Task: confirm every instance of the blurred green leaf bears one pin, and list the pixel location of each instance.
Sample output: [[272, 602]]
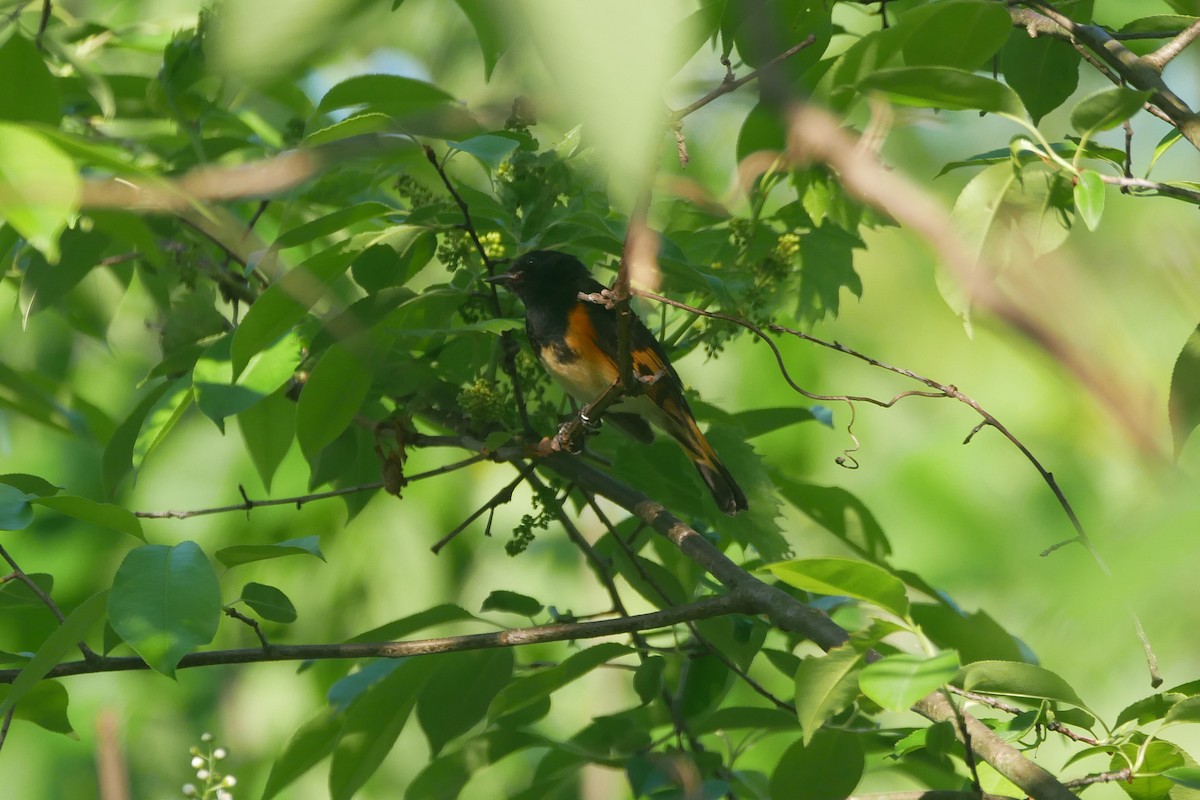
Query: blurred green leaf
[[1185, 711], [512, 602], [268, 602], [30, 484], [45, 705], [943, 87], [373, 723], [825, 685], [1089, 198], [1164, 144], [334, 222], [489, 148], [1106, 109], [400, 628], [842, 576], [117, 459], [1043, 72], [311, 744], [459, 691], [732, 718], [104, 515], [648, 679], [17, 594], [219, 395], [896, 682], [976, 636], [33, 98], [489, 25], [331, 397], [1184, 776], [15, 510], [285, 303], [842, 514], [1016, 679], [531, 688], [827, 767], [268, 428], [248, 553], [39, 187], [392, 94], [165, 602], [55, 648], [958, 33], [47, 281], [1184, 402]]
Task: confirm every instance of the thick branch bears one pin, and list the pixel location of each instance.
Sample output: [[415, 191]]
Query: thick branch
[[1139, 72], [701, 609]]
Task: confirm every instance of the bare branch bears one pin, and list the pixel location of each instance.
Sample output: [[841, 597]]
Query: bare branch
[[47, 600], [701, 609], [1160, 57], [730, 83]]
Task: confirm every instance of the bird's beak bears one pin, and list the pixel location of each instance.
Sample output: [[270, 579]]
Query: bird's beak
[[503, 279]]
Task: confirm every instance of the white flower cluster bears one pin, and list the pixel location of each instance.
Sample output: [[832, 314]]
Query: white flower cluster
[[213, 784]]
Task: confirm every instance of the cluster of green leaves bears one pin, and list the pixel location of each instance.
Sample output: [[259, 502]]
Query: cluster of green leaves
[[359, 300]]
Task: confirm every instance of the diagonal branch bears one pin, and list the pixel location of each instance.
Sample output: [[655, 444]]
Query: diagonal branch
[[1159, 58]]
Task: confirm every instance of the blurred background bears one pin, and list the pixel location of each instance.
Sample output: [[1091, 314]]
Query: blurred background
[[973, 520]]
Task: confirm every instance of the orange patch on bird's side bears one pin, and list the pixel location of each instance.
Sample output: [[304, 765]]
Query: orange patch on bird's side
[[589, 373]]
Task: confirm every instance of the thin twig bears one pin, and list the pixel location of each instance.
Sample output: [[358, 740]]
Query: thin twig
[[498, 499], [1101, 777], [248, 504], [1160, 57], [701, 609], [1009, 708], [730, 83], [508, 344], [1153, 188], [47, 600], [253, 623]]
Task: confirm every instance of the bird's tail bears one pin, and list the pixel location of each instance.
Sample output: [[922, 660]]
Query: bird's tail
[[728, 495]]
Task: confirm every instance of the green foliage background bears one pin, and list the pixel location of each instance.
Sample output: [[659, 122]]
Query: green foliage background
[[972, 521]]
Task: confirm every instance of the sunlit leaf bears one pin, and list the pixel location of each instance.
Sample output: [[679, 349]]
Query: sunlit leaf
[[104, 515], [1106, 109], [842, 576], [825, 685], [896, 682], [943, 87], [39, 187], [1089, 198]]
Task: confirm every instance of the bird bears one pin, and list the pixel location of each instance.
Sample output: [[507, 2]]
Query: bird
[[576, 341]]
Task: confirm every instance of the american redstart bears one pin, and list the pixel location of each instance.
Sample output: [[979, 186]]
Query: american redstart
[[577, 341]]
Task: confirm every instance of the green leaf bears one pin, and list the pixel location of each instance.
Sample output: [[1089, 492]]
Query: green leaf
[[1156, 759], [1106, 109], [55, 648], [459, 691], [842, 576], [490, 148], [117, 460], [369, 122], [247, 553], [330, 224], [373, 723], [1043, 72], [512, 602], [103, 515], [1164, 144], [17, 594], [165, 602], [761, 421], [959, 33], [1184, 403], [827, 767], [489, 24], [531, 688], [648, 679], [268, 602], [1184, 776], [944, 87], [842, 514], [332, 396], [391, 94], [398, 629], [1015, 679], [30, 484], [268, 428], [15, 510], [731, 718], [217, 393], [825, 685], [311, 744], [1089, 198], [761, 130], [897, 682], [33, 98], [39, 187], [976, 637], [285, 303], [45, 705], [1185, 711]]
